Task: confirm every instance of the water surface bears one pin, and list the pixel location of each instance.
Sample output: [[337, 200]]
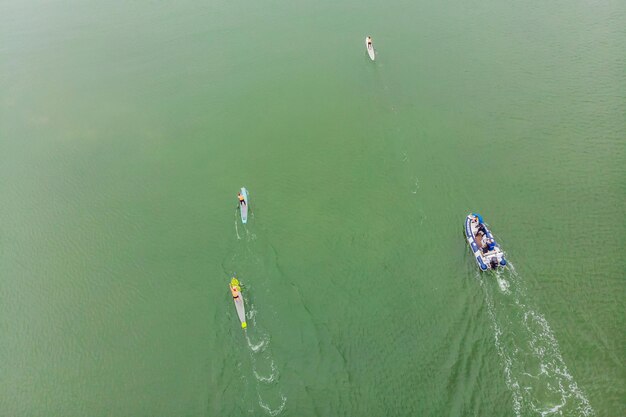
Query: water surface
[[126, 130]]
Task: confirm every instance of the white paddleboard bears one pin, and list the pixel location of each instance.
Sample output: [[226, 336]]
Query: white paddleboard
[[241, 311], [370, 50]]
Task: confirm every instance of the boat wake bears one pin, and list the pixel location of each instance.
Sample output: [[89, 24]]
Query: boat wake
[[503, 283], [534, 369]]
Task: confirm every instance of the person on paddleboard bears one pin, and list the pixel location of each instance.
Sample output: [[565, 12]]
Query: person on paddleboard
[[241, 198], [234, 291], [369, 42]]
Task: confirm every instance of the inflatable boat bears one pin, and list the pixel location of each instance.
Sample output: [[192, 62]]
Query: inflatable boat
[[482, 243]]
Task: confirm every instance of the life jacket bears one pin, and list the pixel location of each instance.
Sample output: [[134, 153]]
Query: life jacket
[[241, 198]]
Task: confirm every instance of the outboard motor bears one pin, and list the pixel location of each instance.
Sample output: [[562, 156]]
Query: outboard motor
[[493, 262]]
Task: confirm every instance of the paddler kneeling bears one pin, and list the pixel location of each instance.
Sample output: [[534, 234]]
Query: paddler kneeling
[[369, 42]]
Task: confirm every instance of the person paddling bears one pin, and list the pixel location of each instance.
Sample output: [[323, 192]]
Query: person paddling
[[369, 42], [234, 291], [241, 198]]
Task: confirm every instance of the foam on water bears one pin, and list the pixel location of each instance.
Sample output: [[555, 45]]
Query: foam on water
[[267, 379], [276, 411], [261, 357], [264, 368], [259, 346], [534, 369], [503, 284]]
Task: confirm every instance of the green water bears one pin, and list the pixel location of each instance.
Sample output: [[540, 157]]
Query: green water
[[126, 129]]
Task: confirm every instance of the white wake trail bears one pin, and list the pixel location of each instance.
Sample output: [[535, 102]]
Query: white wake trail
[[534, 369]]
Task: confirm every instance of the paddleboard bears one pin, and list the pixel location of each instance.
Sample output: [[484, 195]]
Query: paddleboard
[[239, 306], [244, 207], [370, 50]]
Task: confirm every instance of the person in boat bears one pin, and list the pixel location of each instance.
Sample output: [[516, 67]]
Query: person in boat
[[241, 198], [481, 229], [369, 42], [488, 245], [483, 244], [234, 291], [477, 218]]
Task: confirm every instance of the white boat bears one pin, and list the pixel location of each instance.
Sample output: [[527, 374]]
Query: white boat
[[478, 236]]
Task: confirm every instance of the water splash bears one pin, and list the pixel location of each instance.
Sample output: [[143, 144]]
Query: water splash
[[534, 369]]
